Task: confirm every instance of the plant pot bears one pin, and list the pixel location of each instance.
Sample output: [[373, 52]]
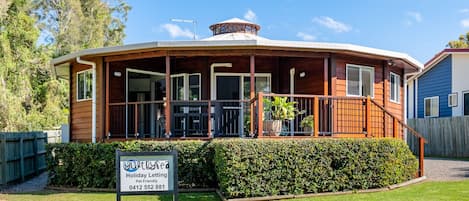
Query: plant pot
[[308, 130], [273, 127]]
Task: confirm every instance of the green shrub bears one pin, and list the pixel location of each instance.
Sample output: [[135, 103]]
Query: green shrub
[[93, 165], [248, 168]]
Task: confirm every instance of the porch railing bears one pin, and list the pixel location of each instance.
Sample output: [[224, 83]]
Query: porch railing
[[337, 117], [198, 118], [136, 120]]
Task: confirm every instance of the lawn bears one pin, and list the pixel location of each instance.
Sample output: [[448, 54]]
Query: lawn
[[458, 190]]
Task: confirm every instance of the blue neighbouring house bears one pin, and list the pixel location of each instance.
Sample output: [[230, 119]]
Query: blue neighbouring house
[[442, 88]]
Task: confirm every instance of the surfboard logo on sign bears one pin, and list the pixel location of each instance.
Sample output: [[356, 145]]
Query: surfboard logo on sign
[[134, 165]]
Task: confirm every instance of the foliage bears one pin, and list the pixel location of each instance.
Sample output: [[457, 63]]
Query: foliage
[[462, 42], [93, 165], [307, 122], [29, 98], [248, 168], [71, 25], [280, 108], [34, 31]]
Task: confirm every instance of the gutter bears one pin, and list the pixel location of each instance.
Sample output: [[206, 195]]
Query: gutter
[[414, 74], [93, 96]]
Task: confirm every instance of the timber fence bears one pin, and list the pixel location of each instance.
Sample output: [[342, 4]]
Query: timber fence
[[22, 155], [447, 136]]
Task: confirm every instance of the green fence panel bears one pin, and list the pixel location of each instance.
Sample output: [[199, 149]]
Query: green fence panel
[[22, 155]]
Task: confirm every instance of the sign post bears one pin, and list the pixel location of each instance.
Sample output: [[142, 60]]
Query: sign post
[[146, 173]]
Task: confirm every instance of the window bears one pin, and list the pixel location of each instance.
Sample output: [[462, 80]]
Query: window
[[262, 85], [194, 87], [360, 80], [431, 106], [452, 100], [84, 81], [395, 81], [177, 85], [466, 102], [185, 86]]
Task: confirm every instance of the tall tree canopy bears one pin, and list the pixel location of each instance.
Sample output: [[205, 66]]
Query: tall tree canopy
[[72, 25], [462, 42], [34, 31]]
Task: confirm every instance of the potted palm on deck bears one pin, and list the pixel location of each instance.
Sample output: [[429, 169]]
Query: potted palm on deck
[[280, 109]]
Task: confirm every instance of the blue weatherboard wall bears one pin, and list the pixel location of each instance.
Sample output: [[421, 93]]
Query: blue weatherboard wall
[[436, 82]]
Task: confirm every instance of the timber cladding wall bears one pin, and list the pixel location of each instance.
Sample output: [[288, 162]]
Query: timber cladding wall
[[80, 116], [381, 82], [448, 136]]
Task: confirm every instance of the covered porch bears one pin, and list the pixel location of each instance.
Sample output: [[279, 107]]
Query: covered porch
[[205, 94]]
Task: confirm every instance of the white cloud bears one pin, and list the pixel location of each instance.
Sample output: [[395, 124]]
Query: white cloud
[[465, 23], [464, 10], [175, 31], [250, 15], [417, 17], [330, 23], [305, 36]]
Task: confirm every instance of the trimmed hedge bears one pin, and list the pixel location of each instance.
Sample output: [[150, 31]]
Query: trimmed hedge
[[249, 168], [93, 165]]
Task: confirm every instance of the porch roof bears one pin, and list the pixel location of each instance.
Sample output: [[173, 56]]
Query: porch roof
[[264, 43]]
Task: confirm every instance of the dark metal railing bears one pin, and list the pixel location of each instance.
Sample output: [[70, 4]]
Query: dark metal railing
[[136, 120]]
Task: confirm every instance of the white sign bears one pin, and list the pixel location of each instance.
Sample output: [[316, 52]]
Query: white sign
[[144, 173]]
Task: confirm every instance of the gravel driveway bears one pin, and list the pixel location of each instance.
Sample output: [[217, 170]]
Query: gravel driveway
[[438, 169], [35, 184]]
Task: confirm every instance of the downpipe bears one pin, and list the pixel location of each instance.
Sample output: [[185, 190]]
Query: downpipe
[[93, 96]]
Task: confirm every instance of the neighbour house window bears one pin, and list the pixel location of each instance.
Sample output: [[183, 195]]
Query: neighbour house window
[[84, 82], [185, 86], [466, 102], [431, 106], [453, 100], [395, 82], [360, 80]]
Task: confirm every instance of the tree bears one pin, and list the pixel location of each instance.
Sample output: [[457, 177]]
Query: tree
[[462, 42], [34, 31], [72, 25]]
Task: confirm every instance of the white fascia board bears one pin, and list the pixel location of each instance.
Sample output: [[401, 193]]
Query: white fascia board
[[258, 43]]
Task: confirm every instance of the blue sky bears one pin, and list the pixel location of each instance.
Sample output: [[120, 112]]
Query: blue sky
[[420, 28]]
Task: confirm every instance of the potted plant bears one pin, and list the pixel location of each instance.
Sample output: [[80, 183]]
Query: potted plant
[[307, 124], [280, 109]]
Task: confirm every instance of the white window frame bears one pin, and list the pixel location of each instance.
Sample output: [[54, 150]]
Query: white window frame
[[186, 84], [360, 67], [453, 100], [462, 97], [84, 85], [397, 87], [425, 108]]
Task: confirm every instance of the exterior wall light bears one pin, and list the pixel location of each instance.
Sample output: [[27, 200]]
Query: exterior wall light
[[117, 74]]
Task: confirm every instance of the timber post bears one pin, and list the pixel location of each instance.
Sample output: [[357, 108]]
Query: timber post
[[421, 156], [167, 109], [209, 119], [260, 115], [368, 117], [395, 126]]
